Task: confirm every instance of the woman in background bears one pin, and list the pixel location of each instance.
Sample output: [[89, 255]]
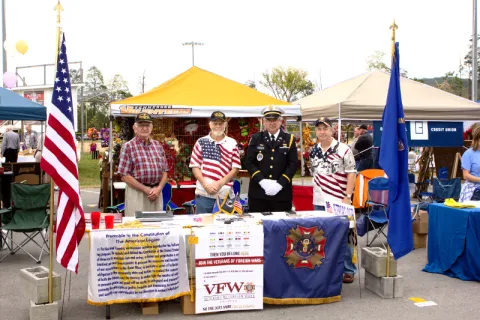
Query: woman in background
[[471, 167]]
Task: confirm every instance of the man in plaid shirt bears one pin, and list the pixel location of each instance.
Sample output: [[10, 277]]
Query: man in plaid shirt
[[143, 167]]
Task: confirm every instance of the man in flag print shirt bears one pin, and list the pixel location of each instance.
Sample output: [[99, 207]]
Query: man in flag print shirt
[[215, 162], [333, 171]]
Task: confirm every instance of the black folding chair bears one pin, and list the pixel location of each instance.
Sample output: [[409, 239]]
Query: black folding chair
[[28, 215]]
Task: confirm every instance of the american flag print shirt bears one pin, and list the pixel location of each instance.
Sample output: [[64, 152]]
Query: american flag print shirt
[[329, 171], [145, 162], [215, 160]]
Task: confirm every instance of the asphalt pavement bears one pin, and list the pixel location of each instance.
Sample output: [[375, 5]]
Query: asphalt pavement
[[455, 299]]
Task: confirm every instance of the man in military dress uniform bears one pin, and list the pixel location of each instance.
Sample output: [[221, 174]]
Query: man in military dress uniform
[[271, 162]]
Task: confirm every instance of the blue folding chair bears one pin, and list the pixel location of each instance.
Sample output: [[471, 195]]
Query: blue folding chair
[[377, 201], [167, 199]]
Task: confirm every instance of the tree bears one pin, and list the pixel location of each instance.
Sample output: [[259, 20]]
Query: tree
[[287, 84], [76, 76], [117, 88], [376, 61], [468, 62], [251, 84], [451, 83], [96, 99]]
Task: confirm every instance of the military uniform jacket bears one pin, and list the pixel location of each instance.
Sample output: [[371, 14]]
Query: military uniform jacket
[[276, 160]]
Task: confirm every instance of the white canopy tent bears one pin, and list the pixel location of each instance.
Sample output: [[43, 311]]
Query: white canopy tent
[[364, 98]]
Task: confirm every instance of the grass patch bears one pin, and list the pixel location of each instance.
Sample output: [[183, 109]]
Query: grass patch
[[88, 171]]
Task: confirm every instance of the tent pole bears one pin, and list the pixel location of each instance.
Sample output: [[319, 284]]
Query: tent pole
[[110, 157], [339, 122], [302, 172]]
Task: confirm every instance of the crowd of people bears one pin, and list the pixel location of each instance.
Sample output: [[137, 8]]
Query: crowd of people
[[271, 161]]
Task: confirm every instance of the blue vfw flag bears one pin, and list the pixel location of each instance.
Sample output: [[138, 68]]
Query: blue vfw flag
[[394, 161], [304, 260]]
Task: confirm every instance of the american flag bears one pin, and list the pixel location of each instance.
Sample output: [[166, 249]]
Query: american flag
[[215, 159], [238, 205], [59, 161], [331, 183]]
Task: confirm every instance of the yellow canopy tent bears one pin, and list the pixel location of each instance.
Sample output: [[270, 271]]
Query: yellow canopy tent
[[197, 93]]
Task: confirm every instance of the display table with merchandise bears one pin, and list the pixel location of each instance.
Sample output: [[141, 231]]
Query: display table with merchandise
[[309, 246]]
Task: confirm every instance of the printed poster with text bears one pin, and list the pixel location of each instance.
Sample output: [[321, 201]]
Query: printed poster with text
[[229, 268], [135, 265]]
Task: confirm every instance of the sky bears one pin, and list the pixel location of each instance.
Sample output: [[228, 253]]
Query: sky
[[331, 40]]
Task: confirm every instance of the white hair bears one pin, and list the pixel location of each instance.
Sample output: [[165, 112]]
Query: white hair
[[8, 128]]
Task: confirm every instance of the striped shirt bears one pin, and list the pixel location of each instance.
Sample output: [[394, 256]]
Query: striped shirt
[[145, 162], [329, 171], [215, 160]]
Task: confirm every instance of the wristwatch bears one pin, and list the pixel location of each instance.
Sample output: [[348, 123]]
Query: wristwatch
[[349, 196]]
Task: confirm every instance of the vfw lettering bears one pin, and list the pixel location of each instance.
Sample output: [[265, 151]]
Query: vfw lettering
[[219, 288]]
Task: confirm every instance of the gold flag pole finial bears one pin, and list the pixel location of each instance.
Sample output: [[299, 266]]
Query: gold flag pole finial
[[59, 10], [393, 27]]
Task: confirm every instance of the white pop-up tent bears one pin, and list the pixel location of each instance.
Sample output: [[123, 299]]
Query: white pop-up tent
[[364, 98]]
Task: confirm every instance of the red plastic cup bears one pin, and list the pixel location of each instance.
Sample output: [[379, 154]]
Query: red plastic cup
[[109, 221], [95, 218]]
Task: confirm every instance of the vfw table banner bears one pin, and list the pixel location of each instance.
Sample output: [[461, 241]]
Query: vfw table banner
[[304, 260], [136, 265], [229, 268]]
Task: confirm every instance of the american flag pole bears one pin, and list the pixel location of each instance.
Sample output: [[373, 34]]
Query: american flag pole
[[58, 8]]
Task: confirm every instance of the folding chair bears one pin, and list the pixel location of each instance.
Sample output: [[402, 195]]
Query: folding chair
[[377, 214], [167, 199], [29, 215]]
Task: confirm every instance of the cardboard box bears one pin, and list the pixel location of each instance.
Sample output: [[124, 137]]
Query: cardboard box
[[419, 240], [149, 308], [423, 216], [188, 307], [420, 227]]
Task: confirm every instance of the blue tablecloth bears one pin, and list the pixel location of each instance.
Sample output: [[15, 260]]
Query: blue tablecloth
[[454, 242]]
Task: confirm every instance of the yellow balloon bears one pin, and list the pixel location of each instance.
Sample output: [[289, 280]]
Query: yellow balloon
[[22, 46]]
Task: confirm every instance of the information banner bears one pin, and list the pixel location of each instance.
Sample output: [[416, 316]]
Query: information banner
[[229, 268], [136, 265], [427, 134]]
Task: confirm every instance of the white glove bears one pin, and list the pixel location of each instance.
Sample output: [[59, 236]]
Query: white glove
[[266, 183], [273, 189]]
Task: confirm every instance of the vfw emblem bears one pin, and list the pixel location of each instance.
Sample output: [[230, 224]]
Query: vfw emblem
[[305, 247]]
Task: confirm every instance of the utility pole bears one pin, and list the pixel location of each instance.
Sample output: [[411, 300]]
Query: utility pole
[[474, 53], [4, 35], [193, 44]]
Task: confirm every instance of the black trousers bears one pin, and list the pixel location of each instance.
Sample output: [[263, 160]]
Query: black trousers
[[263, 205], [11, 155]]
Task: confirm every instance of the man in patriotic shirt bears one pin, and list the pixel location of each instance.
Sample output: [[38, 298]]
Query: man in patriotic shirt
[[333, 171], [215, 162]]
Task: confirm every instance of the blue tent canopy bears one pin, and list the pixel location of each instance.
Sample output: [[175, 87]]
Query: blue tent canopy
[[16, 107]]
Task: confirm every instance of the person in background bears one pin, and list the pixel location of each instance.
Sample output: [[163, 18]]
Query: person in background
[[333, 172], [215, 162], [356, 134], [471, 167], [143, 168], [271, 162], [10, 145], [364, 146], [30, 137]]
